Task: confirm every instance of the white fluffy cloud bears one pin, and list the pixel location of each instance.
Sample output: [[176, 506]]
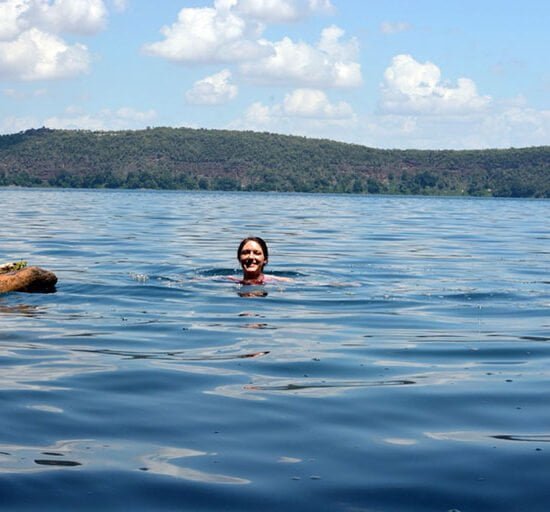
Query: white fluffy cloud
[[11, 24], [13, 124], [301, 109], [231, 31], [277, 11], [313, 103], [419, 110], [515, 126], [74, 118], [203, 35], [331, 63], [212, 90], [75, 16], [31, 47], [501, 125], [37, 55], [413, 88], [121, 119]]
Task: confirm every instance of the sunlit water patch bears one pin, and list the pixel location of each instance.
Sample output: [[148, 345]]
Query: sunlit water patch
[[404, 367]]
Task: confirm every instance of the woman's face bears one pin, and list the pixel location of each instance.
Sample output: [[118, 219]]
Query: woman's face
[[252, 258]]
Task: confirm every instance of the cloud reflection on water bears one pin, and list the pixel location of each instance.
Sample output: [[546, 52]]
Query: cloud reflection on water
[[79, 454], [480, 437]]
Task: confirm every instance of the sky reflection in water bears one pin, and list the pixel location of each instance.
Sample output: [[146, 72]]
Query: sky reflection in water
[[404, 368]]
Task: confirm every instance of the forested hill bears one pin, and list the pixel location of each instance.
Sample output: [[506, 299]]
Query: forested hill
[[183, 158]]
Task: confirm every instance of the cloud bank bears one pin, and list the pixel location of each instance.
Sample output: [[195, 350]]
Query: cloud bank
[[307, 112], [413, 88], [208, 35], [107, 119], [232, 31], [330, 63], [280, 11], [31, 46], [212, 90]]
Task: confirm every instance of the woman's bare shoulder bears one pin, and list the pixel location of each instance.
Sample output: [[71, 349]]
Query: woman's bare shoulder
[[268, 278]]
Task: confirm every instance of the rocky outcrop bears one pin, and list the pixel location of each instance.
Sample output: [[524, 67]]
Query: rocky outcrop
[[29, 279]]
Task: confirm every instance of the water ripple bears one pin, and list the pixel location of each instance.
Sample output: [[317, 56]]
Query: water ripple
[[403, 368]]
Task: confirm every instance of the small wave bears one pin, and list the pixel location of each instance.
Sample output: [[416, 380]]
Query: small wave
[[304, 385], [22, 310], [175, 356], [534, 338], [481, 296], [472, 436], [212, 272]]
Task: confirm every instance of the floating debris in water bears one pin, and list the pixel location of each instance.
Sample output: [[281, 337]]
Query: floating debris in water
[[289, 460], [140, 278]]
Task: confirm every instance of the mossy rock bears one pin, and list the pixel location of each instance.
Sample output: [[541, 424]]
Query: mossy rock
[[28, 279], [12, 266]]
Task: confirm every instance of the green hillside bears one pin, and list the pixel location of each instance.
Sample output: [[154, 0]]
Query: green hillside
[[182, 158]]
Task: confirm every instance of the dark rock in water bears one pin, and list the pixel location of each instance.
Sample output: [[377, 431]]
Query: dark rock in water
[[29, 279]]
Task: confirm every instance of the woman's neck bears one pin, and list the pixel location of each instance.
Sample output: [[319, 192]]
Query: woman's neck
[[253, 279]]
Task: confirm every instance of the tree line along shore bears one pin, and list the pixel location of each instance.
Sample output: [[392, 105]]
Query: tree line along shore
[[200, 159]]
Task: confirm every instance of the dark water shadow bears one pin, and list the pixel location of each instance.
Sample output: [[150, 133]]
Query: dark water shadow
[[174, 356], [54, 462], [305, 385], [543, 438], [22, 310]]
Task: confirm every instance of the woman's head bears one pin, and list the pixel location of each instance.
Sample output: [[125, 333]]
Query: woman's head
[[260, 241], [253, 255]]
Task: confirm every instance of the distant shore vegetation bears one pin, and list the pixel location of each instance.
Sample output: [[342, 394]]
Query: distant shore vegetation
[[200, 159]]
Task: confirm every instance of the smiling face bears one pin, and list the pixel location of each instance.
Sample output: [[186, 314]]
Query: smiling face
[[252, 260]]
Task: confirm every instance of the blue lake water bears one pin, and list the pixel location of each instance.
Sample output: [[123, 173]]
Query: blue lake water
[[405, 368]]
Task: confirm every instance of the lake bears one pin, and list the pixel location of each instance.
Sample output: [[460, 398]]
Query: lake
[[406, 367]]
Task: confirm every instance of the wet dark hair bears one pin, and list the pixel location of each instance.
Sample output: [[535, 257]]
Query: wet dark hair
[[260, 241]]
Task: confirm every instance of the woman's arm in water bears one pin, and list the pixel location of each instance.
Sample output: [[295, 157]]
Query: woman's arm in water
[[268, 278]]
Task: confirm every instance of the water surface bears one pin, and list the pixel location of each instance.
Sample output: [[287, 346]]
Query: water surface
[[405, 368]]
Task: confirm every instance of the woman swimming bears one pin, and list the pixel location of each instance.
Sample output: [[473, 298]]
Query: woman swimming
[[253, 256]]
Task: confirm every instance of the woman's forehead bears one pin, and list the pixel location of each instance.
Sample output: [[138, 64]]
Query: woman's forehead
[[252, 245]]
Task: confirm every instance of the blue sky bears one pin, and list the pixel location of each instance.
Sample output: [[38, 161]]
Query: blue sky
[[396, 74]]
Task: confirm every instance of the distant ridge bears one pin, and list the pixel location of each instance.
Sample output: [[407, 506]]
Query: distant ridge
[[184, 158]]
